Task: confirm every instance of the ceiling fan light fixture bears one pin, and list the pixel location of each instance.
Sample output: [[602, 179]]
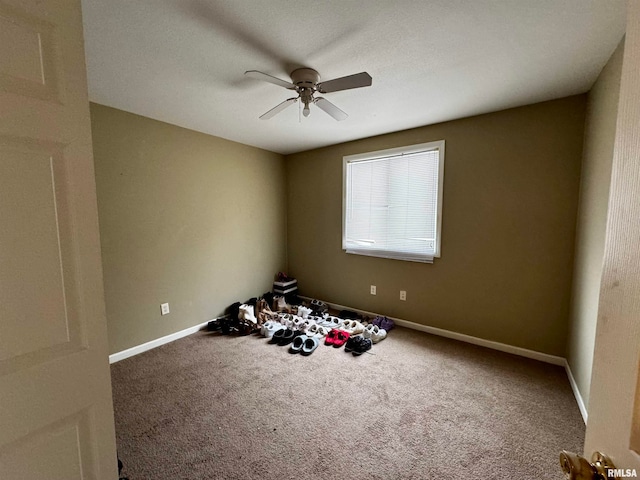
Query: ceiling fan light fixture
[[305, 82]]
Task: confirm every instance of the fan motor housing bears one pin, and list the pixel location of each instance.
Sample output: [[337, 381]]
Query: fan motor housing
[[305, 78]]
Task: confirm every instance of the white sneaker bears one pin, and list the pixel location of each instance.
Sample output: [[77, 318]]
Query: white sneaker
[[358, 328], [336, 322], [330, 322], [297, 322], [286, 319], [322, 331], [367, 330], [272, 328], [353, 327], [378, 336], [304, 312], [263, 326], [312, 330], [375, 333]]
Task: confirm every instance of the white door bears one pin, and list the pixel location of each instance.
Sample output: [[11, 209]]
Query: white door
[[56, 416], [614, 406]]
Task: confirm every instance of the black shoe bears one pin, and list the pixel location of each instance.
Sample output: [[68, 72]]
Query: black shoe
[[214, 325], [364, 345], [348, 315], [268, 297], [253, 302], [245, 328], [277, 337], [287, 337], [353, 342], [318, 307], [225, 326], [233, 310], [293, 299]]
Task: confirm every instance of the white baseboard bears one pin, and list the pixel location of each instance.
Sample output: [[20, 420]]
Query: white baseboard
[[503, 347], [130, 352], [576, 393]]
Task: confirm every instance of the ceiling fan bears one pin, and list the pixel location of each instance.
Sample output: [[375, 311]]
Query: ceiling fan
[[305, 82]]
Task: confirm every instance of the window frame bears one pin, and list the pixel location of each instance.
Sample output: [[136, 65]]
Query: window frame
[[397, 152]]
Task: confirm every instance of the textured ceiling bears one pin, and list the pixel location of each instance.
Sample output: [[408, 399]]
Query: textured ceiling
[[182, 61]]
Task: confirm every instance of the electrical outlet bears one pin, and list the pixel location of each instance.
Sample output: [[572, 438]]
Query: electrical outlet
[[373, 289], [403, 294], [164, 308]]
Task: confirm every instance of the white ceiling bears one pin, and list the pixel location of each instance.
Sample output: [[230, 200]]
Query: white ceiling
[[182, 61]]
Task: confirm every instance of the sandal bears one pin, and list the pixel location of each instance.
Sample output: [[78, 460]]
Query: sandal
[[287, 337], [309, 345], [298, 342], [331, 337], [341, 338], [277, 336]]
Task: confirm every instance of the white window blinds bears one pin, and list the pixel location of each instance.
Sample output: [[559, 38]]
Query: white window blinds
[[392, 202]]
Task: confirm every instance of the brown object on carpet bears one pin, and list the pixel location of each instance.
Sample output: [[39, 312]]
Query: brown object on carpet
[[419, 407]]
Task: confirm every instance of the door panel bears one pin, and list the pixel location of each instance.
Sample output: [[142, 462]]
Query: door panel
[[27, 54], [35, 282], [56, 416], [614, 397], [55, 452]]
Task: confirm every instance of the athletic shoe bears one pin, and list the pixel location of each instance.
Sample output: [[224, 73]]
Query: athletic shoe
[[352, 342], [363, 346], [375, 333], [387, 324]]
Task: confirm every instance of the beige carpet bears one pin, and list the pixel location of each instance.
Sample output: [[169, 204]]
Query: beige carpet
[[420, 406]]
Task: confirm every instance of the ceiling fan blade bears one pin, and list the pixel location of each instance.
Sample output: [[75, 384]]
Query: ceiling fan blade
[[357, 80], [278, 108], [269, 78], [330, 108]]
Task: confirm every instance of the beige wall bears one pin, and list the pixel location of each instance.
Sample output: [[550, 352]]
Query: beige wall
[[185, 218], [602, 108], [509, 210]]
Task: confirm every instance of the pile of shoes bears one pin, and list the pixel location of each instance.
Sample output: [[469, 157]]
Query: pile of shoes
[[356, 343], [287, 320], [244, 318], [305, 327]]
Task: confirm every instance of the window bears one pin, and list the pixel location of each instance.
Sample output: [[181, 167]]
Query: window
[[392, 202]]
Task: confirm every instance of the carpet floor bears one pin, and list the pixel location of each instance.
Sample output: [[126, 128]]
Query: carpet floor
[[418, 407]]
